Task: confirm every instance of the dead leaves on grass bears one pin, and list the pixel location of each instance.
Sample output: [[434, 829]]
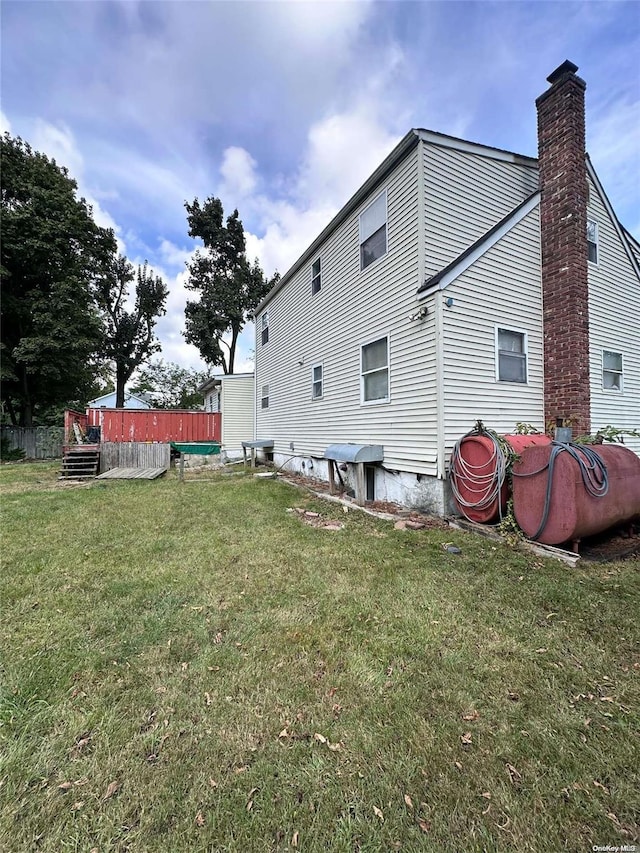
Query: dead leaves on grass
[[112, 790]]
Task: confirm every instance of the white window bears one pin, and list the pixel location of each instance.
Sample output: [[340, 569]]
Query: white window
[[316, 381], [511, 355], [375, 371], [611, 370], [264, 398], [592, 240], [316, 281], [373, 231], [265, 328]]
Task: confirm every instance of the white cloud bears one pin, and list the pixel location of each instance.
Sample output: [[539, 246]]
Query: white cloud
[[238, 171], [59, 143], [5, 124]]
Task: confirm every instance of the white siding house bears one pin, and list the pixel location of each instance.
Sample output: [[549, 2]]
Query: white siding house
[[232, 395], [108, 401], [419, 310]]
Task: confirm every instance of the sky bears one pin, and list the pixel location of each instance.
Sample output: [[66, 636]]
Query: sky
[[283, 109]]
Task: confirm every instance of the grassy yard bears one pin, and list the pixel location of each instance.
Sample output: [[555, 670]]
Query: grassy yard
[[193, 668]]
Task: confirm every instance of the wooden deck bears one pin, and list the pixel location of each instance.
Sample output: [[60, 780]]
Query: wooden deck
[[132, 474]]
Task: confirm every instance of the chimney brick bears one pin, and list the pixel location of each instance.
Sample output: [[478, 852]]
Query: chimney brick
[[563, 220]]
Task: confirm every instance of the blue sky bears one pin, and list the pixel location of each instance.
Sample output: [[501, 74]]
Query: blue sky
[[282, 109]]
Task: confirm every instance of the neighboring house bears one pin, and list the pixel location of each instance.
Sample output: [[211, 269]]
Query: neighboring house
[[232, 395], [461, 282], [108, 401]]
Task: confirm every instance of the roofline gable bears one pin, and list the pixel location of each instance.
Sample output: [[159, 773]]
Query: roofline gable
[[481, 246], [623, 234]]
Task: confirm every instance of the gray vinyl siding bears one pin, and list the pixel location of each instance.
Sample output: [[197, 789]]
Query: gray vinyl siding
[[353, 308], [466, 195], [237, 405], [503, 288], [614, 324]]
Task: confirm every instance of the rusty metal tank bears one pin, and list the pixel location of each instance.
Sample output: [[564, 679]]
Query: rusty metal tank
[[573, 512], [477, 471]]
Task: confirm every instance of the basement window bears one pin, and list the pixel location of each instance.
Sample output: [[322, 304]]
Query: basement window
[[316, 381], [375, 371], [592, 241], [511, 355], [316, 280], [373, 231], [611, 370], [265, 328], [264, 398]]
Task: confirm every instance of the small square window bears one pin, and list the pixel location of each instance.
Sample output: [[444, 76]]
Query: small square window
[[612, 372], [373, 231], [316, 281], [265, 328], [592, 241], [264, 398], [511, 350], [316, 382], [375, 371]]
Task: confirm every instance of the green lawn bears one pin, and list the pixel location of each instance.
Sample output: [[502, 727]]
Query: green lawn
[[190, 667]]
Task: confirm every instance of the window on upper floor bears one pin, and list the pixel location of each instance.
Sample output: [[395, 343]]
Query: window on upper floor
[[511, 355], [265, 328], [592, 241], [264, 397], [373, 231], [374, 371], [316, 381], [612, 370], [316, 280]]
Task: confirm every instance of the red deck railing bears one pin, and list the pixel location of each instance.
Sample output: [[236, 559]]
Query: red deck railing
[[155, 425]]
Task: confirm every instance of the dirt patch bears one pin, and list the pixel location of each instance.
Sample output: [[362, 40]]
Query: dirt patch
[[620, 543]]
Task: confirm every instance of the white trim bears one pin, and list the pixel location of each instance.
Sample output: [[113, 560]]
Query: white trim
[[614, 219], [319, 364], [264, 396], [361, 241], [596, 242], [382, 400], [525, 343], [474, 148], [483, 248], [318, 261], [619, 373]]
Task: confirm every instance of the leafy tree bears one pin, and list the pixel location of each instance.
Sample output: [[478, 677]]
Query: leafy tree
[[170, 386], [52, 254], [228, 286], [130, 338]]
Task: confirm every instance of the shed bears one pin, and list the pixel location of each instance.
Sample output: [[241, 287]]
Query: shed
[[233, 395]]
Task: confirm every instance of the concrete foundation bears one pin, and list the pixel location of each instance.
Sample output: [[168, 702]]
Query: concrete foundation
[[415, 491]]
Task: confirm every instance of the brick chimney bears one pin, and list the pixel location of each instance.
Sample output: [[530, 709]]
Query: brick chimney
[[563, 219]]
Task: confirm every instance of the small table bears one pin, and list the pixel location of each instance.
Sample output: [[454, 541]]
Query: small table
[[259, 444]]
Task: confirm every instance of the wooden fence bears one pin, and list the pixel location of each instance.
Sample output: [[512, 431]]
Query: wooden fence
[[36, 442], [133, 454]]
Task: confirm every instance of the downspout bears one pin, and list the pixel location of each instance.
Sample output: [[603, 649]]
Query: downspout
[[440, 423]]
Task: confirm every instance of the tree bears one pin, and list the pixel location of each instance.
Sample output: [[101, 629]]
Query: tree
[[129, 338], [170, 386], [228, 286], [51, 257]]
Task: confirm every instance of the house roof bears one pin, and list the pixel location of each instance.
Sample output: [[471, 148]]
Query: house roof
[[402, 149], [214, 381]]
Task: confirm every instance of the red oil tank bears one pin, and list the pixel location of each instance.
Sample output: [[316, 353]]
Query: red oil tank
[[477, 474], [573, 512]]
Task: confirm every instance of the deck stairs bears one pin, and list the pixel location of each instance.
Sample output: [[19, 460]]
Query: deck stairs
[[80, 462]]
